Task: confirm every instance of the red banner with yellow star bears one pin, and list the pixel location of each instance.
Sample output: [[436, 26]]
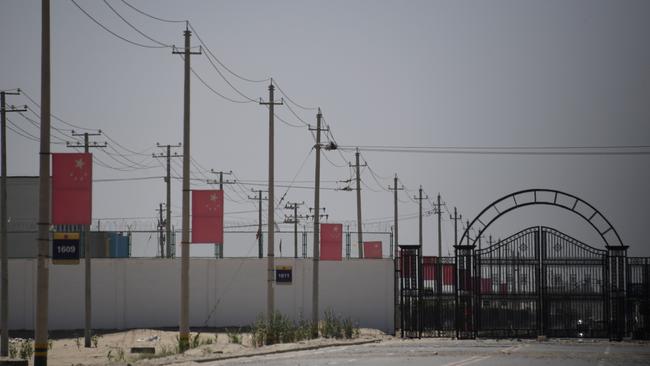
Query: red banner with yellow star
[[331, 242], [72, 177], [372, 249], [207, 216]]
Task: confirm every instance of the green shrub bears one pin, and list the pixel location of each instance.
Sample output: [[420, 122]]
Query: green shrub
[[334, 326], [279, 329], [13, 350], [26, 349], [234, 336]]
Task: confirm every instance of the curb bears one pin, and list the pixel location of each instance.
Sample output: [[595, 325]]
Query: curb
[[308, 348]]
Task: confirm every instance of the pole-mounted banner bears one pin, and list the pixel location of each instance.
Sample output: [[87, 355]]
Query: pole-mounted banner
[[72, 176], [331, 242], [372, 250], [207, 216]]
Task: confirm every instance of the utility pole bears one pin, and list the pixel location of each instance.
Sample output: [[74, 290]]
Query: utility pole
[[456, 217], [218, 247], [438, 211], [168, 205], [43, 241], [395, 189], [420, 198], [161, 235], [359, 225], [270, 300], [184, 324], [294, 220], [314, 299], [4, 343], [88, 319], [260, 237]]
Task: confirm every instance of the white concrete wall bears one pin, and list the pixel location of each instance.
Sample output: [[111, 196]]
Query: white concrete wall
[[137, 293]]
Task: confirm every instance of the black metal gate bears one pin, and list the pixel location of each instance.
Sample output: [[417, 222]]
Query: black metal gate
[[411, 312], [536, 282]]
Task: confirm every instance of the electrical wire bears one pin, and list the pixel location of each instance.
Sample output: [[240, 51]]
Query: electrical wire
[[291, 100], [134, 28], [228, 81], [113, 33], [151, 16], [221, 63], [302, 165], [132, 179], [510, 150], [295, 115], [214, 91], [15, 129]]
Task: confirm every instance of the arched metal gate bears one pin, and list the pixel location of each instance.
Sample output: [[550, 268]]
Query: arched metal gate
[[536, 282]]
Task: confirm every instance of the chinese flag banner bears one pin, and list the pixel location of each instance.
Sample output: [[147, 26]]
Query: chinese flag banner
[[207, 216], [372, 249], [448, 277], [331, 243], [72, 177], [430, 266]]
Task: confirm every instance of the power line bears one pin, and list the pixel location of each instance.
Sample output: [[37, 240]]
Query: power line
[[291, 100], [228, 81], [223, 65], [214, 91], [510, 150], [113, 33], [296, 115], [134, 28], [151, 16]]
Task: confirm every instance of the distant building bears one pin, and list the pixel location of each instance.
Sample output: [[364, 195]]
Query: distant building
[[22, 229]]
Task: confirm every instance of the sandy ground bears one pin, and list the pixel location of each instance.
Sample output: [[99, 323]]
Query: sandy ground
[[115, 348]]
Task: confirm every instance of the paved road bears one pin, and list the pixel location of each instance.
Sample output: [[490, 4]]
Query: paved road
[[436, 352]]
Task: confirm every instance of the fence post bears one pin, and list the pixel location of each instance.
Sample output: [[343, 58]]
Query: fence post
[[464, 291], [616, 263], [540, 244]]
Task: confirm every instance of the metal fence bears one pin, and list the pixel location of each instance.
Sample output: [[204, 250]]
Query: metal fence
[[536, 282]]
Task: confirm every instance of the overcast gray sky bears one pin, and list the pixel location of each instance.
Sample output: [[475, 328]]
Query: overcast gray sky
[[416, 73]]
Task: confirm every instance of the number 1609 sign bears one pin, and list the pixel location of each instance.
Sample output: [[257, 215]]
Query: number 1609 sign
[[65, 248]]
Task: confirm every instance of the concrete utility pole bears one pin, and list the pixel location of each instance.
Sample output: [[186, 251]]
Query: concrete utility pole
[[88, 303], [218, 247], [168, 205], [260, 237], [270, 300], [314, 299], [359, 224], [395, 189], [294, 220], [4, 343], [161, 235], [456, 217], [439, 212], [184, 324], [42, 271], [420, 198]]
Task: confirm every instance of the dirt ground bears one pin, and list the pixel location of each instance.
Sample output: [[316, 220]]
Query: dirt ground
[[115, 347]]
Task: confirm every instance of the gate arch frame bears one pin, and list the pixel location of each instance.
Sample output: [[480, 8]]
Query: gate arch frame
[[534, 191]]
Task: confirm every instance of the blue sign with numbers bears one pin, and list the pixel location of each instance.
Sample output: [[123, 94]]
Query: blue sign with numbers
[[65, 248], [283, 274]]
